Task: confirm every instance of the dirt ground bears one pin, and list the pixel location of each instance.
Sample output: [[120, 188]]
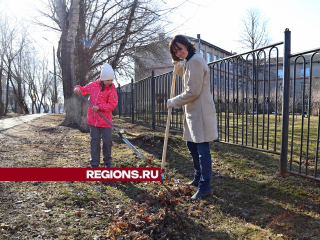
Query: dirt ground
[[249, 200], [75, 210]]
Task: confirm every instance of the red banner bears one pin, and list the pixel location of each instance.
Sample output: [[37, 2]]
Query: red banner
[[80, 174]]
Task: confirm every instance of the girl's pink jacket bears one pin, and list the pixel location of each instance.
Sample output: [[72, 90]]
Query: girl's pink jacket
[[106, 100]]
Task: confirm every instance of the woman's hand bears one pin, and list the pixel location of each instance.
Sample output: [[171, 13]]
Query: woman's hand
[[77, 91], [95, 108], [169, 103]]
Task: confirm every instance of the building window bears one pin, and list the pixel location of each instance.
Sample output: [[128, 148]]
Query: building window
[[307, 72], [201, 52], [231, 84], [231, 67], [281, 87], [208, 57], [215, 57], [280, 73]]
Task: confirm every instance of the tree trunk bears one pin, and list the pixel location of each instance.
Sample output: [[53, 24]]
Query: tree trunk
[[7, 92], [22, 105], [1, 103], [82, 61], [68, 20]]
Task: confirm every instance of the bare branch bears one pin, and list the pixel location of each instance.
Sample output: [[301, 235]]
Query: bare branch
[[254, 33]]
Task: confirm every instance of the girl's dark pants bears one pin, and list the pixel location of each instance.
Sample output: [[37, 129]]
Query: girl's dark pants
[[202, 163], [95, 135]]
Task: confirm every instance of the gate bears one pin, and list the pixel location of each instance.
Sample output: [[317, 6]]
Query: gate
[[263, 102]]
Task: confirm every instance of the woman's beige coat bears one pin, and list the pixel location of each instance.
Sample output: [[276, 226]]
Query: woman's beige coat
[[200, 124]]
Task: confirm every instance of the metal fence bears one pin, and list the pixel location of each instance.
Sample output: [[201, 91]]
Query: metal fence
[[245, 89], [301, 120], [259, 98], [146, 100]]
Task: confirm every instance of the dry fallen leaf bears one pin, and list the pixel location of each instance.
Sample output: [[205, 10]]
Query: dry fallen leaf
[[123, 225], [145, 218]]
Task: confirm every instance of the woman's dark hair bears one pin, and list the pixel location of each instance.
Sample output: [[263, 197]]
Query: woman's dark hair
[[173, 47]]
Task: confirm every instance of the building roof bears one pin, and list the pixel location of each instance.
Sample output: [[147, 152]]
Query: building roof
[[208, 44]]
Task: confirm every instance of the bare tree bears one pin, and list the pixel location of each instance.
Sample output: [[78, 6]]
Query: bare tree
[[13, 41], [1, 91], [67, 13], [107, 31], [39, 81], [17, 78], [25, 71], [254, 31]]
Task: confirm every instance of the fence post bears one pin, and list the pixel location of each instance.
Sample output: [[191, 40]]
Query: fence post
[[153, 101], [285, 103], [119, 100], [132, 103]]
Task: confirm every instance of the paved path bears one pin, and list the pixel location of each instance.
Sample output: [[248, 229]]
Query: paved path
[[11, 122]]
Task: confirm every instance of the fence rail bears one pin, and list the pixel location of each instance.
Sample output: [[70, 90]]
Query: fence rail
[[258, 100]]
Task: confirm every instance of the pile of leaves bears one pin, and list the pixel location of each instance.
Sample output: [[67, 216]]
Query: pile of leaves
[[249, 201]]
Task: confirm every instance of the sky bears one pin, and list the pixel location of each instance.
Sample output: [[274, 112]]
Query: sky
[[20, 11], [217, 21]]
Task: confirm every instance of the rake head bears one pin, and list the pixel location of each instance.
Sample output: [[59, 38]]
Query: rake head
[[165, 195]]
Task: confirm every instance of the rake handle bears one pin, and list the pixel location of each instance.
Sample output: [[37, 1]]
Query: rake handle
[[164, 152]]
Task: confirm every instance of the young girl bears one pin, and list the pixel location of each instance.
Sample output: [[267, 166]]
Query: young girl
[[104, 98], [200, 125]]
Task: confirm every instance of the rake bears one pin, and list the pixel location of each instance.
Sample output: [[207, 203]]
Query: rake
[[164, 152], [126, 141]]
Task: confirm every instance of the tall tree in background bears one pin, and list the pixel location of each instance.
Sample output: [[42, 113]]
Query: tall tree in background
[[107, 31], [24, 71], [13, 44], [254, 34], [254, 31], [38, 80]]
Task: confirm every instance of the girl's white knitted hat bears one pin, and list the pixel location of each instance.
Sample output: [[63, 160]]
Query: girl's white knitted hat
[[107, 72]]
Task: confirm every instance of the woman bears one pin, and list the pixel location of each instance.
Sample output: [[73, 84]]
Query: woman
[[104, 99], [200, 125]]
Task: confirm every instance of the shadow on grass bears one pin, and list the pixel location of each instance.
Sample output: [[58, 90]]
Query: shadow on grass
[[261, 196], [255, 192]]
